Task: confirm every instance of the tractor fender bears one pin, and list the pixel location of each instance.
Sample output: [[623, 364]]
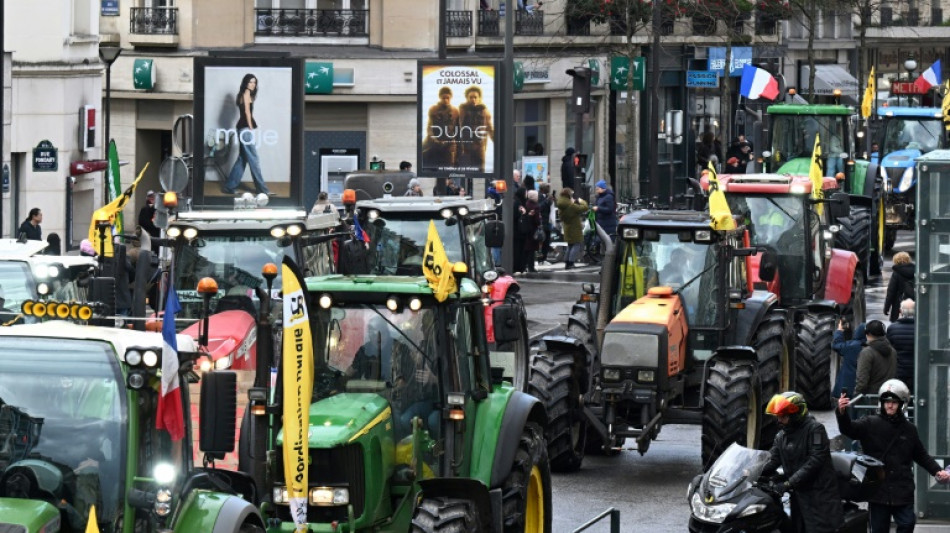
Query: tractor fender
[[859, 200], [841, 269], [462, 488], [735, 352], [498, 290], [872, 181], [216, 512], [757, 306], [521, 408], [582, 357]]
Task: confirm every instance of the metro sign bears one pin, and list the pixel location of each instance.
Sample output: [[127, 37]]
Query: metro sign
[[905, 87]]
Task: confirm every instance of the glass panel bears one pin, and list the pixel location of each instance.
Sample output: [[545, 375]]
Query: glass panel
[[939, 192], [463, 348], [938, 441], [940, 253], [938, 303]]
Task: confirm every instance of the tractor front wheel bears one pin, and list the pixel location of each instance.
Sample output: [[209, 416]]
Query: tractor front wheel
[[813, 358], [775, 367], [526, 492], [555, 382], [731, 408], [445, 515]]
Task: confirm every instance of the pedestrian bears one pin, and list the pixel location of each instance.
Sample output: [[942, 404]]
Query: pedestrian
[[707, 150], [803, 451], [605, 208], [451, 189], [54, 245], [532, 210], [322, 205], [247, 139], [520, 223], [414, 188], [146, 218], [497, 197], [890, 438], [544, 205], [568, 171], [30, 228], [572, 211], [738, 156], [901, 336], [847, 342], [877, 361], [901, 285], [405, 166]]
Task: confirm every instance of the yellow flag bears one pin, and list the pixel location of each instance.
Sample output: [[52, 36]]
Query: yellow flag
[[297, 364], [869, 93], [946, 105], [718, 206], [817, 174], [108, 212], [437, 267], [92, 526]]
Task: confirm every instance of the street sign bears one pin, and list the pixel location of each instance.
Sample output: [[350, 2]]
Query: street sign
[[702, 78], [906, 87], [45, 157], [741, 56], [620, 65]]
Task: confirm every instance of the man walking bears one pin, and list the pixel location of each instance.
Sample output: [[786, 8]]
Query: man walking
[[890, 438], [877, 362], [901, 336]]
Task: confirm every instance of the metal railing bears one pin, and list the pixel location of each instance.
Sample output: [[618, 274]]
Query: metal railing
[[458, 23], [312, 22], [614, 515], [489, 23], [153, 20]]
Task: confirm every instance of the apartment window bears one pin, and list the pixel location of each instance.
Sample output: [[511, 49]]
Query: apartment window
[[531, 127]]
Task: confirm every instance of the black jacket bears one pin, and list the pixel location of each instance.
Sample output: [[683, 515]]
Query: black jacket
[[802, 450], [900, 286], [877, 363], [33, 233], [876, 433], [567, 169], [901, 336]]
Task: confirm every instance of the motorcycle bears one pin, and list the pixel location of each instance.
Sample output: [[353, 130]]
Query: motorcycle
[[728, 497]]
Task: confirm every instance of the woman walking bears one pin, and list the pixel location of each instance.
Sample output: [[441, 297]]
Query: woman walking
[[532, 212], [247, 151], [572, 212]]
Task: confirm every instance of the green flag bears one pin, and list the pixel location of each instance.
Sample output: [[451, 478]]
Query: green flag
[[114, 182]]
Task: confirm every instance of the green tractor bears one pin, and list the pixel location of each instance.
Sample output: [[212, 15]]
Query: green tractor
[[409, 426], [78, 411], [676, 333]]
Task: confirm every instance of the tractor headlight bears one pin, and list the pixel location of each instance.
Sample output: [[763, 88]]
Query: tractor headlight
[[797, 189], [462, 211], [42, 288], [136, 380], [327, 496], [174, 232], [280, 495], [150, 358], [133, 357], [710, 513], [490, 275], [164, 474], [907, 180], [190, 233], [163, 502], [631, 233], [294, 229], [646, 376], [446, 213], [611, 374], [703, 235]]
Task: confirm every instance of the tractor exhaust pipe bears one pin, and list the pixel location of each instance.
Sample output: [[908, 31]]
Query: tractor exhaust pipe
[[606, 284]]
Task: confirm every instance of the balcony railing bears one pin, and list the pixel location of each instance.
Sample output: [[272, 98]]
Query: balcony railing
[[312, 22], [458, 23], [489, 23], [909, 17], [154, 20]]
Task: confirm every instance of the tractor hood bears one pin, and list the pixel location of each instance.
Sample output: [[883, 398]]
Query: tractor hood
[[232, 340], [342, 418], [901, 158], [28, 516]]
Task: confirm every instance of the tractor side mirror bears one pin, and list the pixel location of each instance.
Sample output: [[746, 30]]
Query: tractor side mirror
[[494, 234], [217, 412], [839, 205], [767, 266], [507, 322]]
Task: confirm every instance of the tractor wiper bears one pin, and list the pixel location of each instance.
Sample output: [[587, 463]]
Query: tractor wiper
[[400, 331], [780, 208]]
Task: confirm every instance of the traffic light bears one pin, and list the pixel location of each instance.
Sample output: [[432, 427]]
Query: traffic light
[[580, 90]]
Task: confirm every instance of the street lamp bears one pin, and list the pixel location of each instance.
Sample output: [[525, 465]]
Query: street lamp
[[108, 54], [910, 65]]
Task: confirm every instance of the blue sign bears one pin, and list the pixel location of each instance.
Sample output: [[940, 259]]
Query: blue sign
[[702, 78], [741, 56], [110, 8]]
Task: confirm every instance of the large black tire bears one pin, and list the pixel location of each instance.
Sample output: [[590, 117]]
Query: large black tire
[[854, 234], [580, 326], [526, 492], [731, 408], [775, 368], [244, 443], [520, 347], [445, 515], [813, 358], [555, 382]]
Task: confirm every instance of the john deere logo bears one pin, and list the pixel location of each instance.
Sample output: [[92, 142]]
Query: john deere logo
[[710, 498]]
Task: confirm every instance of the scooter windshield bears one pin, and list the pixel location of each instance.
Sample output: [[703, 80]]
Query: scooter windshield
[[737, 467]]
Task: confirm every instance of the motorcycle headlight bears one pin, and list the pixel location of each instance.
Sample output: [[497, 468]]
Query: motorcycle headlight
[[710, 513], [907, 180], [752, 509]]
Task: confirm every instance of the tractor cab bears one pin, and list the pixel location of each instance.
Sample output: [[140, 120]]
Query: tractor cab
[[793, 131]]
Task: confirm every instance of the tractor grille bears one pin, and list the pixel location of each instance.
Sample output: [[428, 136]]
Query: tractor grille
[[894, 174], [341, 466]]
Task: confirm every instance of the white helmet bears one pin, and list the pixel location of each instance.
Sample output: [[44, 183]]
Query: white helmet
[[895, 389]]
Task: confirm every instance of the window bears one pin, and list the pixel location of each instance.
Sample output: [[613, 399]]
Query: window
[[531, 128]]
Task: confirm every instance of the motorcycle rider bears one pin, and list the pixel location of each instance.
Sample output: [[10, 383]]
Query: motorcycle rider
[[890, 438], [802, 449]]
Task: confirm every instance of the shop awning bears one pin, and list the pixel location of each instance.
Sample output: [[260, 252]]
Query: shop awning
[[831, 77]]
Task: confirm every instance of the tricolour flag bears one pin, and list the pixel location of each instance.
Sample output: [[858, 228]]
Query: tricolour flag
[[757, 83], [816, 174], [111, 212], [297, 361], [930, 78], [169, 416], [719, 210], [437, 267], [358, 230], [868, 102]]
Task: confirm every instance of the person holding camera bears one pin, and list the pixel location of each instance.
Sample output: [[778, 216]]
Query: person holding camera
[[572, 212], [847, 343]]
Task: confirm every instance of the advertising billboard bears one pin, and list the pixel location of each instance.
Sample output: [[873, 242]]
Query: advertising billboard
[[249, 129], [458, 107]]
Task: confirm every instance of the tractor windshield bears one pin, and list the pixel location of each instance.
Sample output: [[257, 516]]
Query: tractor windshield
[[62, 414], [688, 267], [372, 349], [793, 137], [397, 242], [17, 284], [913, 133]]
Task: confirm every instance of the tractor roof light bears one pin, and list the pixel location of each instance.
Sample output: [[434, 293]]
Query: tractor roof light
[[278, 232], [173, 231], [133, 357], [269, 271], [462, 211], [150, 358], [415, 304], [207, 286], [501, 186], [392, 303], [446, 213], [190, 233], [294, 229], [325, 301], [349, 197], [797, 189], [631, 233], [703, 235], [170, 199], [490, 275], [42, 288], [373, 214]]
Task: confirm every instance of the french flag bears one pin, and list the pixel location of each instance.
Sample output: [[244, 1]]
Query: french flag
[[930, 78], [757, 83], [359, 232], [169, 416]]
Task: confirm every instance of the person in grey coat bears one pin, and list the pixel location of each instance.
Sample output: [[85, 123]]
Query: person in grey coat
[[877, 362]]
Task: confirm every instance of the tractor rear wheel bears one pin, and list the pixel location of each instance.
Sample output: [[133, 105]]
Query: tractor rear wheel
[[526, 492], [813, 358], [731, 408], [580, 327], [775, 367], [445, 515], [854, 234], [555, 382]]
